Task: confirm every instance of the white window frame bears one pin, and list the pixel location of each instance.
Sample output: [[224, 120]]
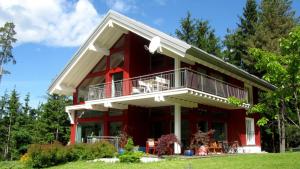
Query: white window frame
[[250, 135], [249, 88]]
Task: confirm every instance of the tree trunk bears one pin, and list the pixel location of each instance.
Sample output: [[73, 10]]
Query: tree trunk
[[273, 139], [6, 150], [281, 128], [296, 105]]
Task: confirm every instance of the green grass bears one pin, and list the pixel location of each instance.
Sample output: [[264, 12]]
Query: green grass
[[254, 161]]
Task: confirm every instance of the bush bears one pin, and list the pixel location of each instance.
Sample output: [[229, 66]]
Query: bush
[[129, 145], [131, 157], [40, 156], [164, 144]]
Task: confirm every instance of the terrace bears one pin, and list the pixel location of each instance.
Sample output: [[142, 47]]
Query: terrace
[[199, 84]]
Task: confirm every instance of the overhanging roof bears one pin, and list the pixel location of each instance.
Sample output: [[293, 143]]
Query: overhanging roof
[[111, 29]]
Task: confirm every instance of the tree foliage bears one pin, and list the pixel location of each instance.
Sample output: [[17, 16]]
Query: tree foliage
[[7, 39], [236, 41], [199, 33], [259, 27], [21, 125], [281, 69]]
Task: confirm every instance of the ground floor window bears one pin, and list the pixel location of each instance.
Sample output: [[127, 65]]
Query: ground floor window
[[250, 133], [88, 129], [220, 131], [115, 128], [203, 126]]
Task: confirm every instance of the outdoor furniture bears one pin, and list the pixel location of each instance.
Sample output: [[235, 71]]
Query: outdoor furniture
[[151, 145], [161, 84], [145, 86], [215, 147], [233, 147]]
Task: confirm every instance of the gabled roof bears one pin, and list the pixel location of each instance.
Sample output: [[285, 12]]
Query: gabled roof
[[110, 30]]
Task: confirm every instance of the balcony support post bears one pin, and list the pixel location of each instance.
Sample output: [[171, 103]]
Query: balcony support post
[[177, 72], [177, 127]]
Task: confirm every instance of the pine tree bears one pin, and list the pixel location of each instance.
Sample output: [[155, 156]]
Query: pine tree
[[13, 110], [187, 29], [198, 32], [7, 39], [276, 20], [53, 119], [236, 41]]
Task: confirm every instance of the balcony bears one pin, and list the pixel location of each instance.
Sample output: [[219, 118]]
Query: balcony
[[165, 81]]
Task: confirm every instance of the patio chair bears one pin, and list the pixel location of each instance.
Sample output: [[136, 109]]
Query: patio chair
[[150, 145], [162, 84]]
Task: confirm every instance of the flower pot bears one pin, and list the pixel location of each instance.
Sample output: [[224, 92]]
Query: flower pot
[[121, 151], [188, 152]]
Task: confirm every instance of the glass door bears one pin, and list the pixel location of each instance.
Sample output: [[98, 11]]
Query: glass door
[[250, 133], [116, 84]]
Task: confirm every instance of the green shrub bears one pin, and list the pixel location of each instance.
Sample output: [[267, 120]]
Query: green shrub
[[131, 157], [129, 145], [40, 156]]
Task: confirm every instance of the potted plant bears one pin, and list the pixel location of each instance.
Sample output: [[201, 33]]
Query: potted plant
[[123, 140], [164, 144], [199, 142]]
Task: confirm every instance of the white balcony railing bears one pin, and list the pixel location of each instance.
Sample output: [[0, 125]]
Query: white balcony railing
[[166, 81]]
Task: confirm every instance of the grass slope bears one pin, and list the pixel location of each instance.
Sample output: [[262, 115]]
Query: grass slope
[[254, 161]]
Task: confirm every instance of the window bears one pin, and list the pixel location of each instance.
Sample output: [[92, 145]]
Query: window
[[83, 89], [250, 132], [115, 128], [120, 43], [101, 66], [84, 130], [117, 59], [220, 131], [203, 126]]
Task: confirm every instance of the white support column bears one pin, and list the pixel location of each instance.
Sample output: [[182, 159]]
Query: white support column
[[177, 72], [177, 127]]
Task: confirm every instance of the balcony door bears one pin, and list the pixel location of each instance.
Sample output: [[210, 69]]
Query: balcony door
[[250, 131], [116, 84]]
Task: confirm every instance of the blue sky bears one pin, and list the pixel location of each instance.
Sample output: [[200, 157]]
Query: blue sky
[[50, 31]]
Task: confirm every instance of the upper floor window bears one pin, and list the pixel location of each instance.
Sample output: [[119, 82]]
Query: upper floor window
[[101, 66], [117, 59], [120, 43]]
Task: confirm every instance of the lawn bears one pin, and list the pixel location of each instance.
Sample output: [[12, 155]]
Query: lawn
[[254, 161]]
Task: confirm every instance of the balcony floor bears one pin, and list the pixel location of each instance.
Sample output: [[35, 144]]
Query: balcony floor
[[186, 97]]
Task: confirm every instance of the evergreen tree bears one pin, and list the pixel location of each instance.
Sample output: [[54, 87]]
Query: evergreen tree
[[198, 33], [7, 39], [187, 29], [236, 41], [13, 110], [53, 121], [276, 20]]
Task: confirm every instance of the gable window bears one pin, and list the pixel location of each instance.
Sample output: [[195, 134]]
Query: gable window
[[117, 59], [83, 89], [250, 132], [101, 66]]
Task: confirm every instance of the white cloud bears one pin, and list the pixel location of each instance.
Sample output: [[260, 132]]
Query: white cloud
[[122, 5], [50, 22]]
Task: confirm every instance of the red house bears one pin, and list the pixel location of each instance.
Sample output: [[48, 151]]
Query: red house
[[129, 74]]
